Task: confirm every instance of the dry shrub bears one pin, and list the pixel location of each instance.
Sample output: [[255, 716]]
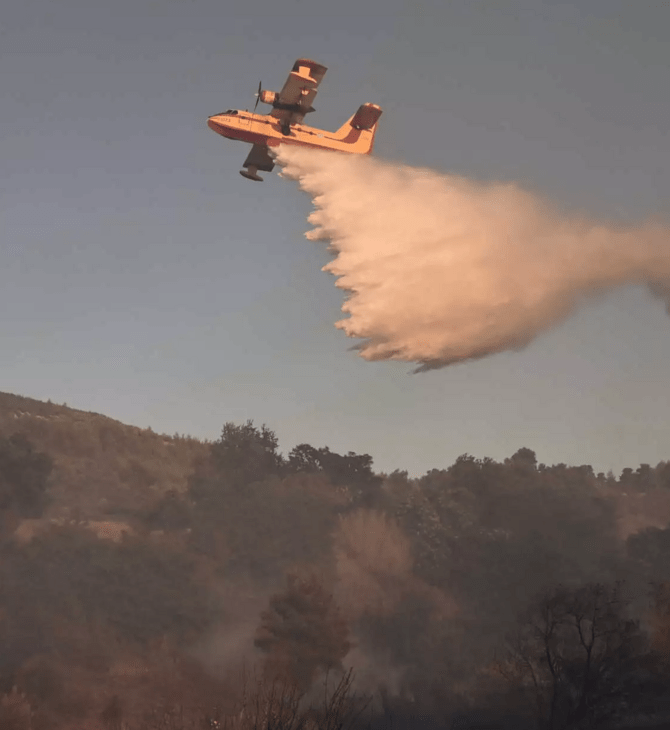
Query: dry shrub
[[282, 705], [373, 562]]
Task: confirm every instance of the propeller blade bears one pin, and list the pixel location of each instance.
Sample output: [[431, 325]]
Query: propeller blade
[[258, 95]]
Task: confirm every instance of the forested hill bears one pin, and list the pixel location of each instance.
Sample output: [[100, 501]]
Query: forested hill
[[141, 573], [102, 466]]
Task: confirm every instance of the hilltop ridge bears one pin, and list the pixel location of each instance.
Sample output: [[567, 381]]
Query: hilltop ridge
[[101, 466]]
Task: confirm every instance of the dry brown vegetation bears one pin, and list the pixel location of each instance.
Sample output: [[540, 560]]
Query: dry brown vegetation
[[101, 466]]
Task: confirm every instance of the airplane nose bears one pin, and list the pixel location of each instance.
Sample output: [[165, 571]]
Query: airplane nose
[[213, 124]]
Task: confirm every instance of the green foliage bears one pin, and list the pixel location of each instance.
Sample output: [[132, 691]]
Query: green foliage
[[492, 534], [69, 574], [245, 454], [643, 479], [268, 524], [340, 470], [24, 474], [353, 471], [477, 507], [523, 458], [662, 473], [303, 632], [268, 527]]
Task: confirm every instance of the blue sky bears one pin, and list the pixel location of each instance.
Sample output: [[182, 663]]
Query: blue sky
[[143, 278]]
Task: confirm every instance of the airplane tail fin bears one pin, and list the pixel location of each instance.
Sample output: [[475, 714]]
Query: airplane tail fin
[[360, 129]]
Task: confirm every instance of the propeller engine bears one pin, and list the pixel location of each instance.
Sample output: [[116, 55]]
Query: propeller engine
[[267, 97]]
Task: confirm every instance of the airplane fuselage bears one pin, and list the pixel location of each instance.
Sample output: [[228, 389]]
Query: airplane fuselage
[[264, 129]]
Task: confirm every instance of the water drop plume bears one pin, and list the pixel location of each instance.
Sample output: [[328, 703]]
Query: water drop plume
[[440, 269]]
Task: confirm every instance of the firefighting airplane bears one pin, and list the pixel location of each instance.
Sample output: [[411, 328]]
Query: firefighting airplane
[[283, 125]]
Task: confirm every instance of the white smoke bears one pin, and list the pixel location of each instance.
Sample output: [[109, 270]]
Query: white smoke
[[441, 269]]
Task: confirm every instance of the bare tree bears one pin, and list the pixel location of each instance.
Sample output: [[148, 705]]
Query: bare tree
[[280, 704], [580, 657]]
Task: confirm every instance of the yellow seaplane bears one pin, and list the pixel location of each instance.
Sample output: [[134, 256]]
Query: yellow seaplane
[[283, 125]]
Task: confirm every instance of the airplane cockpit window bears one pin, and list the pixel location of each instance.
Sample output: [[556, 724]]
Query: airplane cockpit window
[[231, 111]]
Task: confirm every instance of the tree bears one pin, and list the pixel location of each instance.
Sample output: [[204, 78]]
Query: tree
[[580, 658], [662, 472], [482, 529], [373, 563], [351, 470], [641, 480], [243, 455], [302, 632], [305, 459]]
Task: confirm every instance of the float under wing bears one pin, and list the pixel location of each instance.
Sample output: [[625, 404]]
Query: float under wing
[[257, 159]]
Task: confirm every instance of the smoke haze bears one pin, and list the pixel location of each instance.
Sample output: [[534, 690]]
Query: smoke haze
[[441, 269]]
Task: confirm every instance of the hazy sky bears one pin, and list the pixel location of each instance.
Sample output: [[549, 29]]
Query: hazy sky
[[143, 278]]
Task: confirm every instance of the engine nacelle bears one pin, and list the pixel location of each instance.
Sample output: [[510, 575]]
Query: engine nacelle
[[268, 97], [366, 117]]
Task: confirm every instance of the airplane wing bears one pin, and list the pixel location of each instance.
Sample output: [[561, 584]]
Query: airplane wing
[[296, 97]]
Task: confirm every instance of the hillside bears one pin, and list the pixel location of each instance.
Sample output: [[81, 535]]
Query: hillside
[[142, 571], [102, 467]]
